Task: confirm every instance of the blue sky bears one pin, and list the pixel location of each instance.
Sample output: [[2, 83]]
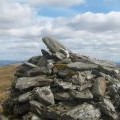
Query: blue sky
[[89, 27]]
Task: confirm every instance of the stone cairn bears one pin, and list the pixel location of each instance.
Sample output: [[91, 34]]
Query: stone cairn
[[61, 85]]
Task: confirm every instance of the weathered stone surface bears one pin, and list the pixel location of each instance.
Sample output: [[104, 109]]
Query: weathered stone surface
[[55, 112], [30, 82], [36, 107], [42, 62], [44, 95], [84, 86], [46, 54], [107, 108], [83, 112], [62, 96], [53, 45], [66, 85], [35, 117], [78, 79], [64, 61], [21, 109], [99, 87], [104, 63], [26, 97], [84, 95], [82, 66], [108, 71], [59, 55], [37, 71], [34, 60]]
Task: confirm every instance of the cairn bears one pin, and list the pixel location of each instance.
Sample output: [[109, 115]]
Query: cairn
[[61, 85]]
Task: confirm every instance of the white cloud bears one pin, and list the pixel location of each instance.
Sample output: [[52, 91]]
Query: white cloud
[[15, 15], [58, 3], [94, 34]]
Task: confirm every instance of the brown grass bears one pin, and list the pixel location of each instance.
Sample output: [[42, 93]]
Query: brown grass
[[6, 76]]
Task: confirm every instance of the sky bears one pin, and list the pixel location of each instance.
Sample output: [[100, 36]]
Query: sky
[[88, 27]]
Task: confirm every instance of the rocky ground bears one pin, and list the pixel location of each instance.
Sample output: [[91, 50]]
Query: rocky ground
[[61, 85]]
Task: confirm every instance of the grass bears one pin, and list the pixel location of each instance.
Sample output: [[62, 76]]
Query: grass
[[6, 76]]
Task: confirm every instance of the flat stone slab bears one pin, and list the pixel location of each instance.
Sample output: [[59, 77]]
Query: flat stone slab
[[31, 82], [81, 66], [84, 95], [52, 44]]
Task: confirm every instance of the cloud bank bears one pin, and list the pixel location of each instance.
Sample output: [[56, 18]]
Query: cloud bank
[[21, 30]]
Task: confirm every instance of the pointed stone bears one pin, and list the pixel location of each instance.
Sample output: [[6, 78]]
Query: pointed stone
[[52, 44], [44, 95]]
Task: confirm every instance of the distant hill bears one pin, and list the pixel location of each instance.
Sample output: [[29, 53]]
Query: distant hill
[[8, 62], [118, 65]]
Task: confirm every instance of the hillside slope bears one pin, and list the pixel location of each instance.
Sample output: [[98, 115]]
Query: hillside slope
[[6, 76]]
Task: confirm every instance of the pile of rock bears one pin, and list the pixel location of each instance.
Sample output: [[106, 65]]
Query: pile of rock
[[61, 85]]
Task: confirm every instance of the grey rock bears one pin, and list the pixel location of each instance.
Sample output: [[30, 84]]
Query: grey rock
[[37, 71], [2, 117], [108, 71], [70, 86], [35, 117], [63, 73], [36, 107], [84, 95], [64, 61], [65, 52], [107, 108], [21, 109], [84, 86], [27, 116], [63, 96], [26, 97], [82, 79], [59, 55], [114, 88], [78, 79], [34, 60], [79, 58], [42, 62], [46, 54], [82, 66], [50, 65], [65, 85], [52, 44], [88, 75], [83, 112], [30, 65], [99, 87], [104, 63], [44, 95], [31, 82], [55, 111]]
